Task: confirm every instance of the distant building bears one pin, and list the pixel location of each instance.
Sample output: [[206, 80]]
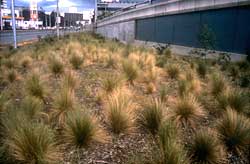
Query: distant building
[[72, 19]]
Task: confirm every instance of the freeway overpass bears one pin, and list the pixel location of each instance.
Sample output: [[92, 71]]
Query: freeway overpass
[[179, 22]]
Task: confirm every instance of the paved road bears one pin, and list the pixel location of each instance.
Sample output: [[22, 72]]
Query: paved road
[[6, 37]]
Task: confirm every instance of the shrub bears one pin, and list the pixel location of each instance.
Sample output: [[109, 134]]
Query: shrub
[[187, 111], [233, 129], [35, 87], [218, 84], [152, 116], [56, 66], [206, 148], [173, 70], [32, 107], [81, 129], [202, 69], [111, 82], [63, 104], [32, 143], [119, 113], [70, 80], [131, 70], [76, 61]]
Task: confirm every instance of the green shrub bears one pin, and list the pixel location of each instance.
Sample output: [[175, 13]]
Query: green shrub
[[206, 148], [152, 116], [233, 129]]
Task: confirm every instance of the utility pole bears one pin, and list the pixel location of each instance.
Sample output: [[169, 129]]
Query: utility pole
[[1, 17], [57, 19], [13, 22], [95, 11]]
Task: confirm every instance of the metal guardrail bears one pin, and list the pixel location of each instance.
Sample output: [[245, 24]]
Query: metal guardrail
[[127, 8]]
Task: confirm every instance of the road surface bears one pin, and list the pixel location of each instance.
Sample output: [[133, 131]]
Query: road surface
[[6, 37]]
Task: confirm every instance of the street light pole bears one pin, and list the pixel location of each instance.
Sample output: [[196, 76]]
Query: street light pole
[[95, 11], [1, 17], [57, 19], [13, 22]]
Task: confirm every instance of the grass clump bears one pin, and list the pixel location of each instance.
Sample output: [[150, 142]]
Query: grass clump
[[202, 69], [70, 80], [163, 92], [206, 148], [35, 87], [76, 61], [187, 111], [32, 143], [56, 66], [151, 116], [63, 104], [11, 75], [119, 113], [32, 107], [81, 129], [131, 70], [111, 82], [233, 130], [170, 150], [26, 62], [218, 85], [173, 70], [234, 99]]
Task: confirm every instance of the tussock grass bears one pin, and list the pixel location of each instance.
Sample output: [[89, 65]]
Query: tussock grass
[[76, 61], [233, 130], [173, 70], [32, 143], [202, 69], [56, 66], [9, 63], [35, 87], [151, 117], [11, 75], [234, 99], [206, 148], [81, 129], [218, 84], [70, 80], [119, 112], [63, 104], [187, 111], [170, 150], [111, 82], [32, 108], [26, 62], [163, 93], [131, 70]]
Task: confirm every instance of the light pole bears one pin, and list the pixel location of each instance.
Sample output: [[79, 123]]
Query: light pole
[[95, 11], [1, 17], [57, 19], [13, 22]]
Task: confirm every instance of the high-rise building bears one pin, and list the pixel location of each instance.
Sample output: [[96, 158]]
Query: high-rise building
[[33, 10], [3, 4]]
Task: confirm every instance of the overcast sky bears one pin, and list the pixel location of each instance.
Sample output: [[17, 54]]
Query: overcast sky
[[65, 5]]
